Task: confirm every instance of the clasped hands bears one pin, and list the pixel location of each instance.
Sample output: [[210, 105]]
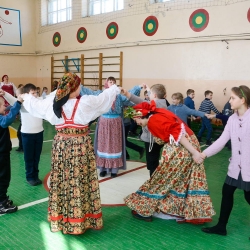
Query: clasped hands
[[19, 97], [198, 157]]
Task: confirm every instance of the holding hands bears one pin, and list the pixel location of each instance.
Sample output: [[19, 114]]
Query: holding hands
[[125, 92], [198, 157], [210, 116]]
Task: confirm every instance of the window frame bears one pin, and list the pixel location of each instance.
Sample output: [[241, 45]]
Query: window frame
[[91, 7], [68, 10]]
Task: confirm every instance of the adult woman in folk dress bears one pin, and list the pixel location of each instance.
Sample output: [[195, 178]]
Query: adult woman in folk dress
[[74, 196], [178, 186]]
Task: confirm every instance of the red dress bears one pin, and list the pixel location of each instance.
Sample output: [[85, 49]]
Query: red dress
[[9, 89]]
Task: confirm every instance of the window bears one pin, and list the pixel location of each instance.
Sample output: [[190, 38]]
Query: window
[[159, 1], [103, 6], [59, 11]]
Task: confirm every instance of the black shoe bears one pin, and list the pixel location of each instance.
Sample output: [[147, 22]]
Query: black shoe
[[32, 183], [113, 175], [199, 139], [38, 182], [127, 157], [5, 208], [139, 217], [208, 143], [9, 202], [19, 150], [103, 173], [142, 153], [214, 230]]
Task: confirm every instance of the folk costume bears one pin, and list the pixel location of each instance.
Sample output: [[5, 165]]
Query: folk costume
[[74, 196], [178, 186], [110, 143], [8, 87]]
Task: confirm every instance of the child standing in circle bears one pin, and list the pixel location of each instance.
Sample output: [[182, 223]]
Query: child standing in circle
[[238, 175]]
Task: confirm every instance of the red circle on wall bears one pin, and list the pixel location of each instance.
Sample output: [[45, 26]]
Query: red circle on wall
[[199, 19], [112, 30], [56, 39], [150, 25], [7, 12], [81, 35], [248, 15]]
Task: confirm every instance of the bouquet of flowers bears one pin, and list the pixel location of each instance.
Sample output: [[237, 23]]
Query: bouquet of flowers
[[130, 112]]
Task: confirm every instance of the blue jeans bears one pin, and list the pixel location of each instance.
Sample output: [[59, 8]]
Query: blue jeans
[[32, 148], [206, 124]]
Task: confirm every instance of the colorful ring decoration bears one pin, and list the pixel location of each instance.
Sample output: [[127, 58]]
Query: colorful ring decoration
[[112, 30], [56, 39], [150, 25], [199, 19], [248, 15], [81, 35]]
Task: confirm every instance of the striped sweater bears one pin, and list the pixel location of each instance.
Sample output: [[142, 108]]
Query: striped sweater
[[207, 105]]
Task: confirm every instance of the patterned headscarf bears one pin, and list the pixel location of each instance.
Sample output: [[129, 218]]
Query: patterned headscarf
[[67, 84]]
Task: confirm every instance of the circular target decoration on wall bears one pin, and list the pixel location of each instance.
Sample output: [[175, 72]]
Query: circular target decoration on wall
[[81, 35], [199, 19], [56, 39], [248, 15], [150, 25], [112, 30]]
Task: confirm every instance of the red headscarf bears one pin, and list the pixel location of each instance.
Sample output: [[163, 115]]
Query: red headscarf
[[163, 123]]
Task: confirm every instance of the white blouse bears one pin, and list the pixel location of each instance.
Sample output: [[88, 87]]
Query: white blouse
[[90, 107]]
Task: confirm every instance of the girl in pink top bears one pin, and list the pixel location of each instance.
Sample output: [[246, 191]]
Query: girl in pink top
[[238, 175]]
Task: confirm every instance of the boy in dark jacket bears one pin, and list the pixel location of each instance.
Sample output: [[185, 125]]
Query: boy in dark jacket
[[6, 205]]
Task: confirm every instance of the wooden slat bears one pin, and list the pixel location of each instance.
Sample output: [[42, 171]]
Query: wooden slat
[[51, 73], [82, 69], [100, 70], [121, 67]]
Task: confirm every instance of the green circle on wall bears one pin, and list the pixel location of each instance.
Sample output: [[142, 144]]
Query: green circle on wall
[[150, 25], [112, 30], [199, 19], [56, 39], [81, 35]]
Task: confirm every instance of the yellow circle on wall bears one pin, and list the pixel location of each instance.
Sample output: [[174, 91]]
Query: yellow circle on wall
[[81, 35], [198, 20], [112, 31], [150, 26], [56, 39]]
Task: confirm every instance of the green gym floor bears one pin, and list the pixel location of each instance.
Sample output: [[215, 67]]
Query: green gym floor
[[28, 228]]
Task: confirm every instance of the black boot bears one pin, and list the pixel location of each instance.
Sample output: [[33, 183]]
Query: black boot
[[103, 173], [218, 229]]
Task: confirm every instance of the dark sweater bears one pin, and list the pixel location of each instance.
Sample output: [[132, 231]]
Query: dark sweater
[[5, 121]]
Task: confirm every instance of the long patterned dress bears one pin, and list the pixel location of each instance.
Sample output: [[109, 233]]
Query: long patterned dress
[[74, 198], [178, 186]]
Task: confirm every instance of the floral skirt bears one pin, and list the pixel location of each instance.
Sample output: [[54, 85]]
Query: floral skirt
[[177, 187], [74, 195]]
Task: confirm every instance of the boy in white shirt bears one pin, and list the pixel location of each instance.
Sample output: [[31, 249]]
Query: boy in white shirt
[[32, 137]]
